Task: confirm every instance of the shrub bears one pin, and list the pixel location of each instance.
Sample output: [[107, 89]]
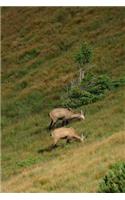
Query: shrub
[[100, 85], [114, 180], [91, 89], [75, 92]]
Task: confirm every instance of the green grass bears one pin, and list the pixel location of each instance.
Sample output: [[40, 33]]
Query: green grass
[[34, 135], [37, 64]]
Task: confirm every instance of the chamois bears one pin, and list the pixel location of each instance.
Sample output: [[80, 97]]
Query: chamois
[[65, 115], [65, 133]]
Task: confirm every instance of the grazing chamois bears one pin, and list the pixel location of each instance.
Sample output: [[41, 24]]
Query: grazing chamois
[[65, 133], [65, 115]]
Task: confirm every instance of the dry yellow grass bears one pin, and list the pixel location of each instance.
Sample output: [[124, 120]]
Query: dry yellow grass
[[76, 171]]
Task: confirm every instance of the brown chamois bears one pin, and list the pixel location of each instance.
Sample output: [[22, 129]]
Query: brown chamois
[[65, 115], [65, 133]]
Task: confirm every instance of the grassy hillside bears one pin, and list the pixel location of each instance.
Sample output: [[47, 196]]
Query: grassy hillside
[[38, 47]]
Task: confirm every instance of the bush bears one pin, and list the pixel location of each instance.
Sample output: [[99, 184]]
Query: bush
[[100, 85], [91, 89], [114, 180], [78, 97]]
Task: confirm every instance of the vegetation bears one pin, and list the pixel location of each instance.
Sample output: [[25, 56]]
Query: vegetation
[[114, 181], [91, 89], [38, 48], [83, 57]]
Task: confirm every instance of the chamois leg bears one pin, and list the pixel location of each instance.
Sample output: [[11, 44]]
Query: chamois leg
[[53, 124], [50, 126], [64, 122], [55, 143], [68, 140], [67, 121]]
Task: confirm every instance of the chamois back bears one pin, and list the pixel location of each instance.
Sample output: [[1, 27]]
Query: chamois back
[[65, 133], [64, 114]]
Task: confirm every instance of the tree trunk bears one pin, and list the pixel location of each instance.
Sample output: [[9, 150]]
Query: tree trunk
[[80, 75], [83, 74]]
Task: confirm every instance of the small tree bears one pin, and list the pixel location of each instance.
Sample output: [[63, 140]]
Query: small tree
[[82, 58]]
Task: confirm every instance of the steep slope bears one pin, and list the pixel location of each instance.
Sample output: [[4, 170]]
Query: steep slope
[[38, 47], [77, 173]]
